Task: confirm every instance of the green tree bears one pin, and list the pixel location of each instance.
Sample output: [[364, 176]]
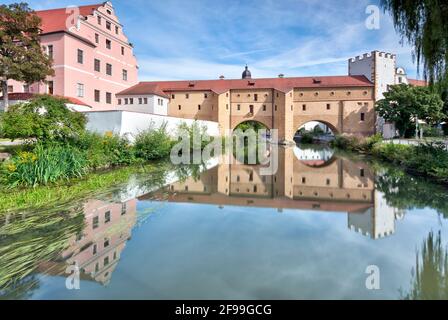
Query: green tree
[[21, 55], [403, 103], [45, 118], [423, 24]]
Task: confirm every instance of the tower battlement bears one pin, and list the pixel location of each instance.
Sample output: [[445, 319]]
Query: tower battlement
[[370, 55]]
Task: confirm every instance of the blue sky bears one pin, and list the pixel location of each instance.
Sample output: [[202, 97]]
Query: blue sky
[[203, 39]]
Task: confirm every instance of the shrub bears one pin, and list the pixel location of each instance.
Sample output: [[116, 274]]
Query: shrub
[[429, 131], [307, 137], [153, 144], [44, 117], [44, 165], [104, 151], [195, 130]]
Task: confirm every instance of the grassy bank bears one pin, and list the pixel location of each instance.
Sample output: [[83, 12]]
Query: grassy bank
[[428, 159], [93, 184]]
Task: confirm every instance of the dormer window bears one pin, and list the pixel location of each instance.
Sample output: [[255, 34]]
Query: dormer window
[[191, 84], [109, 12], [317, 81]]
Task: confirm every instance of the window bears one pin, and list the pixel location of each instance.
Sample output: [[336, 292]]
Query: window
[[97, 65], [50, 87], [205, 95], [363, 116], [50, 51], [80, 56], [10, 89], [140, 100], [255, 97], [251, 109], [108, 97], [126, 101], [264, 107], [361, 172], [97, 95], [173, 96], [123, 209], [400, 80], [199, 107], [328, 106], [180, 107], [122, 51], [145, 100], [328, 182], [106, 261], [125, 75], [108, 25], [187, 96], [80, 90], [95, 222], [95, 249], [119, 101], [108, 44], [238, 107], [99, 20], [107, 217], [303, 180], [26, 88], [97, 38], [131, 100], [108, 69], [304, 107], [160, 101]]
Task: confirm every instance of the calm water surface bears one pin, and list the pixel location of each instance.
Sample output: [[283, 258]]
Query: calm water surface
[[226, 232]]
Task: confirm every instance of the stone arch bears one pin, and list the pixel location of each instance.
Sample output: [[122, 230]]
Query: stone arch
[[330, 125], [268, 127]]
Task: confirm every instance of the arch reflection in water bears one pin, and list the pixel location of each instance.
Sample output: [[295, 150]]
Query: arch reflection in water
[[307, 179]]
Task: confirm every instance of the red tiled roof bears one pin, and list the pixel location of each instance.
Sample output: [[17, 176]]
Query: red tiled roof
[[220, 86], [417, 83], [22, 96], [54, 20], [18, 96]]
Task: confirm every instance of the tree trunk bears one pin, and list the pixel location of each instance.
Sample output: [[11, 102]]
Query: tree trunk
[[5, 94]]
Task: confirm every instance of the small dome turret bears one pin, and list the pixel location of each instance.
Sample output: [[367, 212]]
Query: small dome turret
[[247, 74]]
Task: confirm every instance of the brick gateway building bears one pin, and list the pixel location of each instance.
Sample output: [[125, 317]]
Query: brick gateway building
[[343, 103]]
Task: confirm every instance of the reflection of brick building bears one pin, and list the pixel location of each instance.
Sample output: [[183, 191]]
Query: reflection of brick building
[[96, 251], [336, 185], [339, 185]]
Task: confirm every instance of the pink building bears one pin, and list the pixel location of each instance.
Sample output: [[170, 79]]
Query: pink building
[[93, 59]]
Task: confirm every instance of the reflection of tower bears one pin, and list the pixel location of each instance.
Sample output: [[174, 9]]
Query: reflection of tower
[[377, 222], [97, 250]]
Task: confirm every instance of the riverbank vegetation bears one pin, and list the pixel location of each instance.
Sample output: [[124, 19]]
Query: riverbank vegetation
[[428, 159], [60, 149]]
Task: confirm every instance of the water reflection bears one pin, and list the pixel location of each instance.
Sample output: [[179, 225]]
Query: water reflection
[[307, 179], [94, 234]]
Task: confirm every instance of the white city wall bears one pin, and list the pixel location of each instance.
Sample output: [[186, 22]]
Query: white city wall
[[153, 106], [130, 123]]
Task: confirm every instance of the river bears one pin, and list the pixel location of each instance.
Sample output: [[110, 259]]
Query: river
[[325, 226]]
